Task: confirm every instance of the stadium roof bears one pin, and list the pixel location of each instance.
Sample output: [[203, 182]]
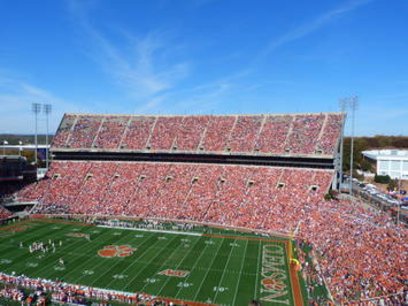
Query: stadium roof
[[391, 154]]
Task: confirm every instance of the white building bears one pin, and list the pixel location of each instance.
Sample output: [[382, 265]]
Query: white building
[[390, 162]]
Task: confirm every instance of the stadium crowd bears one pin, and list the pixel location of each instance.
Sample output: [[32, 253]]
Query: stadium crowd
[[361, 252], [137, 133], [305, 132], [37, 298], [332, 130], [4, 213], [222, 194], [273, 134], [110, 132], [84, 132], [276, 134], [64, 130], [65, 293]]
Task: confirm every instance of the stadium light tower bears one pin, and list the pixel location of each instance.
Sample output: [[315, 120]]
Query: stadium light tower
[[36, 109], [47, 111], [353, 103], [343, 106]]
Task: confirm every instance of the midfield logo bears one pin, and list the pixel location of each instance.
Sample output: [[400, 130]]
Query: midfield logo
[[110, 251], [77, 235], [176, 273]]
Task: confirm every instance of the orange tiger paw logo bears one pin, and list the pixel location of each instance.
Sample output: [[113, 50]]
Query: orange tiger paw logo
[[110, 251], [273, 284]]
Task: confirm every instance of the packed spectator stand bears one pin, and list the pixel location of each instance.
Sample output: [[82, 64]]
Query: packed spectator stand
[[7, 190], [303, 134], [4, 213], [225, 194], [70, 294], [362, 254]]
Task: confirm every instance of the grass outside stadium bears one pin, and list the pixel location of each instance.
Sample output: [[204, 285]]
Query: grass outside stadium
[[199, 266]]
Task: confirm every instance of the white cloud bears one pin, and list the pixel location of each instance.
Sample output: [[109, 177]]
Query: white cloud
[[133, 62], [313, 25], [205, 96]]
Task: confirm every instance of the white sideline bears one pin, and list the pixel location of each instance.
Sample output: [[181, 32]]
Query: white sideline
[[151, 230]]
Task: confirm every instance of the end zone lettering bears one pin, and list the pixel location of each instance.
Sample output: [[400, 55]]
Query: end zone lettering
[[274, 275]]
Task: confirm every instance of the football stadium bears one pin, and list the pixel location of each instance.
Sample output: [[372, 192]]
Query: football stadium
[[198, 210]]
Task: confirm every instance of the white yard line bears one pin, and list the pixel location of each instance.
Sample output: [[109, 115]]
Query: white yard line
[[257, 269], [151, 230], [178, 265], [125, 238], [48, 264], [240, 274], [104, 263], [208, 271], [192, 269], [151, 260], [223, 273], [164, 264]]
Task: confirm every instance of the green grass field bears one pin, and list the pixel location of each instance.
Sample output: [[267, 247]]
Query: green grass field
[[218, 269]]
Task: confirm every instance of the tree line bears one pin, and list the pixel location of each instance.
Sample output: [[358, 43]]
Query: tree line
[[369, 143]]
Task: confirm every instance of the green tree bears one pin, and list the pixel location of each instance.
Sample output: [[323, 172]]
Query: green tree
[[369, 143], [382, 179], [365, 165], [392, 185]]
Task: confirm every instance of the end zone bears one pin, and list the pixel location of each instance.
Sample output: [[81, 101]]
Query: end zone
[[276, 272]]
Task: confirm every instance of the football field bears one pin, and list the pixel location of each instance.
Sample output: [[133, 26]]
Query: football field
[[222, 269]]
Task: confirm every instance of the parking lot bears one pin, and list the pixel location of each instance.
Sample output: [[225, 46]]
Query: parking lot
[[381, 200]]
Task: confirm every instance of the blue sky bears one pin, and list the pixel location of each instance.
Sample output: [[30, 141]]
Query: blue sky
[[205, 56]]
